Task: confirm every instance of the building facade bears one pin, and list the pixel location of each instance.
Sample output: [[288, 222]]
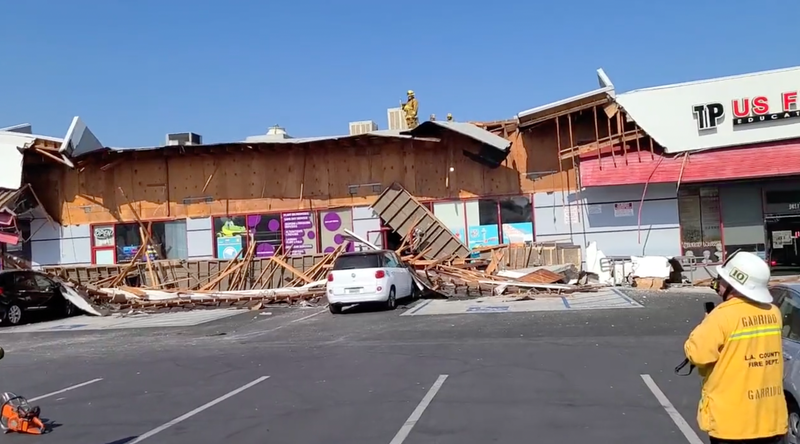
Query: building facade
[[701, 168], [723, 174], [198, 202]]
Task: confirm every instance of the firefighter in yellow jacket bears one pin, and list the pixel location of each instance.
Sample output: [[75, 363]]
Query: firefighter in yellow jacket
[[737, 350]]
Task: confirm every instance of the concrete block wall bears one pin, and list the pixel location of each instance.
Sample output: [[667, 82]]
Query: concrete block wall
[[609, 216]]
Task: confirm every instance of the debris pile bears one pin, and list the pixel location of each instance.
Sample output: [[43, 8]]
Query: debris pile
[[245, 282], [444, 267], [250, 282], [466, 277]]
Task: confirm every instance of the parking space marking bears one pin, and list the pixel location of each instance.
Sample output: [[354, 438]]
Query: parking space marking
[[402, 434], [308, 317], [188, 415], [120, 321], [673, 413], [58, 392], [420, 305], [253, 334], [601, 299]]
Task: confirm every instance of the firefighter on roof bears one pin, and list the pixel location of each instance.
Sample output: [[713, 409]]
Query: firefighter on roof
[[410, 109]]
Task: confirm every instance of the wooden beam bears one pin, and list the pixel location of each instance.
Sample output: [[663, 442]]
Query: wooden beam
[[294, 271], [111, 164], [605, 142], [51, 156], [577, 108]]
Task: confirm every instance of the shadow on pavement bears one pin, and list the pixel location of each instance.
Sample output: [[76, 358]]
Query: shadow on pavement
[[123, 440]]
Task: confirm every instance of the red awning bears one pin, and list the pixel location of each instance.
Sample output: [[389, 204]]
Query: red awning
[[9, 238], [764, 160]]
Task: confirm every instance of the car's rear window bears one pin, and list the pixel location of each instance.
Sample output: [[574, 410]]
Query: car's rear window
[[351, 262]]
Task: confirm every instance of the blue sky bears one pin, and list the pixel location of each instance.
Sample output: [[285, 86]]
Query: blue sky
[[136, 70]]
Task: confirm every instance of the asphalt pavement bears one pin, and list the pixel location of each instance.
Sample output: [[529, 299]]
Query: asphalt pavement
[[304, 376]]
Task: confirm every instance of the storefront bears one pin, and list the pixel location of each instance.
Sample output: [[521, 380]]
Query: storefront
[[297, 233], [477, 222], [488, 221], [731, 147]]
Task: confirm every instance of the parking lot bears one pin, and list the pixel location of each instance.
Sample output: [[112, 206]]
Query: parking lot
[[306, 376]]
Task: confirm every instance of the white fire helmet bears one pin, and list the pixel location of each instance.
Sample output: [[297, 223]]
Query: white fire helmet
[[748, 274]]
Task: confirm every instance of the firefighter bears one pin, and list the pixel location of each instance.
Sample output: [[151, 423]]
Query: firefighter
[[737, 350], [410, 109]]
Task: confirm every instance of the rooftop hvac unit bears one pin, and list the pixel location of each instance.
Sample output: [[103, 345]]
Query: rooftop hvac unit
[[397, 119], [184, 139], [362, 127]]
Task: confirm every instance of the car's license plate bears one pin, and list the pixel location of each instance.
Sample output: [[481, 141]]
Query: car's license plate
[[352, 290]]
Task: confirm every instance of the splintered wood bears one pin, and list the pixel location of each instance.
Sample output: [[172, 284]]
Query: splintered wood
[[245, 281], [250, 281], [484, 272]]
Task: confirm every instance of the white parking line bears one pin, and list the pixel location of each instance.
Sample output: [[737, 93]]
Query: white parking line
[[309, 316], [254, 334], [205, 406], [402, 434], [72, 387], [673, 413]]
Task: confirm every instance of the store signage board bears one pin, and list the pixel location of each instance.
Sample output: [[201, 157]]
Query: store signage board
[[749, 109]]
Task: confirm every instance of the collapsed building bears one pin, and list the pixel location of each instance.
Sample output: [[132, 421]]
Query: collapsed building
[[197, 200], [136, 217], [596, 169]]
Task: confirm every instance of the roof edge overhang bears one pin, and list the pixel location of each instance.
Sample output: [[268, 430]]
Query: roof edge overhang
[[493, 149], [598, 96], [362, 139]]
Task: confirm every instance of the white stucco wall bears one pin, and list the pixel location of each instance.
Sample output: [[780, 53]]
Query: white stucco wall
[[590, 215]]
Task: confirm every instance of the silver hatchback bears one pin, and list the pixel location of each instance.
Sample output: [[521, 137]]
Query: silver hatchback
[[787, 297]]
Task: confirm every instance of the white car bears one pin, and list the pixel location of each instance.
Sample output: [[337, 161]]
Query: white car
[[787, 297], [368, 277]]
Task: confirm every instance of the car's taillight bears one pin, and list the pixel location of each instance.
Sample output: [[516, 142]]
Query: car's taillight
[[330, 277], [1, 291], [380, 274], [773, 263]]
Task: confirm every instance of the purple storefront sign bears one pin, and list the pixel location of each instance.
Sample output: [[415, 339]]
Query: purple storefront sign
[[299, 237]]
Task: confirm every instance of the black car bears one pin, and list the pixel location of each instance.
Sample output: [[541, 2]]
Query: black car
[[22, 291]]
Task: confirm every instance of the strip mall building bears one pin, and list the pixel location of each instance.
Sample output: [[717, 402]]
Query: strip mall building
[[724, 172], [701, 168]]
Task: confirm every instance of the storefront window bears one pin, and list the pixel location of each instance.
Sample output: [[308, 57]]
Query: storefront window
[[331, 229], [266, 229], [482, 227], [299, 233], [169, 239], [516, 215], [127, 241], [699, 214], [782, 202], [451, 214], [231, 236], [103, 251]]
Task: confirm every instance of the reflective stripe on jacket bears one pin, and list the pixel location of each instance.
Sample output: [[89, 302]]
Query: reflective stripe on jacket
[[737, 350]]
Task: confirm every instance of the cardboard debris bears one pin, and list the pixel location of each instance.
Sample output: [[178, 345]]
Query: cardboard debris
[[541, 276], [649, 283]]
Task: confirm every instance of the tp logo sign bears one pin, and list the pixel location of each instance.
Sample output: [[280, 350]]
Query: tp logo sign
[[708, 116]]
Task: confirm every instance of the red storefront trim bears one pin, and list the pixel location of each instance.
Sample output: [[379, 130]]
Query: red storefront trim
[[754, 161]]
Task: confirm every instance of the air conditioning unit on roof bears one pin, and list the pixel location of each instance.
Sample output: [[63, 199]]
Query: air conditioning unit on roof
[[184, 139]]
